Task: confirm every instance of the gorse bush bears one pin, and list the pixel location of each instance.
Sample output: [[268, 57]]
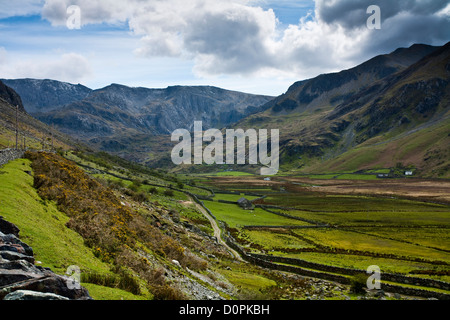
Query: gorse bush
[[94, 210], [358, 283], [140, 197], [110, 228]]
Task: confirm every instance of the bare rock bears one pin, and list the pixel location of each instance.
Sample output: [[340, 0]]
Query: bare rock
[[33, 295], [7, 227], [20, 279]]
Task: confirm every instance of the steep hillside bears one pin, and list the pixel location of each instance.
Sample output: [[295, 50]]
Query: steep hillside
[[32, 133], [410, 107], [10, 96], [131, 234], [324, 121], [329, 90]]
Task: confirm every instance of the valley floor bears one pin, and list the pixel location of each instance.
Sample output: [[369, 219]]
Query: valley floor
[[185, 236], [342, 227]]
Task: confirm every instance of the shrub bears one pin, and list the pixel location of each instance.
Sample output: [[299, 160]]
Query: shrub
[[140, 197], [168, 193], [111, 230], [116, 184], [165, 292], [101, 279], [153, 190], [133, 187], [129, 283], [358, 283], [195, 263]]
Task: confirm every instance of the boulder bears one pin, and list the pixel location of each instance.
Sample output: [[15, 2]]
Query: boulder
[[33, 295], [11, 239], [380, 293], [20, 279], [177, 263], [11, 277], [50, 283], [13, 256], [22, 265], [12, 247], [7, 227]]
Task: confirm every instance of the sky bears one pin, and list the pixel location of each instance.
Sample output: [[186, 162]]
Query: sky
[[254, 46]]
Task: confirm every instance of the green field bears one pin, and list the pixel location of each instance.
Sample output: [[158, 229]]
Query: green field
[[234, 216], [401, 236]]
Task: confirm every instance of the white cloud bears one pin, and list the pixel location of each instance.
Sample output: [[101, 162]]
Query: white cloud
[[241, 38], [69, 67], [92, 11], [20, 8], [3, 56]]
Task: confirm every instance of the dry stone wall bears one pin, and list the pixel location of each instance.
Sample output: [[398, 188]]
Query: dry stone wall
[[21, 279], [7, 155], [272, 262]]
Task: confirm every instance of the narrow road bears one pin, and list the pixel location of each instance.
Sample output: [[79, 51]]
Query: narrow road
[[217, 231]]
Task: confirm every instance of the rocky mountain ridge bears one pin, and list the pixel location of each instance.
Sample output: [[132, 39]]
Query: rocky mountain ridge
[[81, 111], [384, 100], [10, 96], [384, 103], [46, 95], [131, 122]]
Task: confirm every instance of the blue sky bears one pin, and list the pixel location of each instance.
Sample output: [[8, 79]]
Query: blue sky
[[258, 46]]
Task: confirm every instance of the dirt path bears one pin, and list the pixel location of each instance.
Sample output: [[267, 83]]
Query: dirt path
[[218, 232]]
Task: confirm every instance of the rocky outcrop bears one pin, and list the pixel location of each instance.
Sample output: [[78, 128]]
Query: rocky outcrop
[[11, 96], [21, 279]]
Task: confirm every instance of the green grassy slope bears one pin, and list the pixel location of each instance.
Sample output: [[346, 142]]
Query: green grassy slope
[[43, 227], [427, 149]]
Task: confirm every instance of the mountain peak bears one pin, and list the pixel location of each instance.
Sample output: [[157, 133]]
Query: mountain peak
[[328, 90]]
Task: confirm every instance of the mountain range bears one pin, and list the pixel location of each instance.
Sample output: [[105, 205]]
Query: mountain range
[[128, 120], [83, 111], [391, 109]]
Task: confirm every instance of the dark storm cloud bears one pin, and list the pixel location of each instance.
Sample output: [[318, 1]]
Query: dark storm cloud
[[352, 14]]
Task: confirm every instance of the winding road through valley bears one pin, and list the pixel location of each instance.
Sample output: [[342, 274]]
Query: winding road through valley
[[217, 231]]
